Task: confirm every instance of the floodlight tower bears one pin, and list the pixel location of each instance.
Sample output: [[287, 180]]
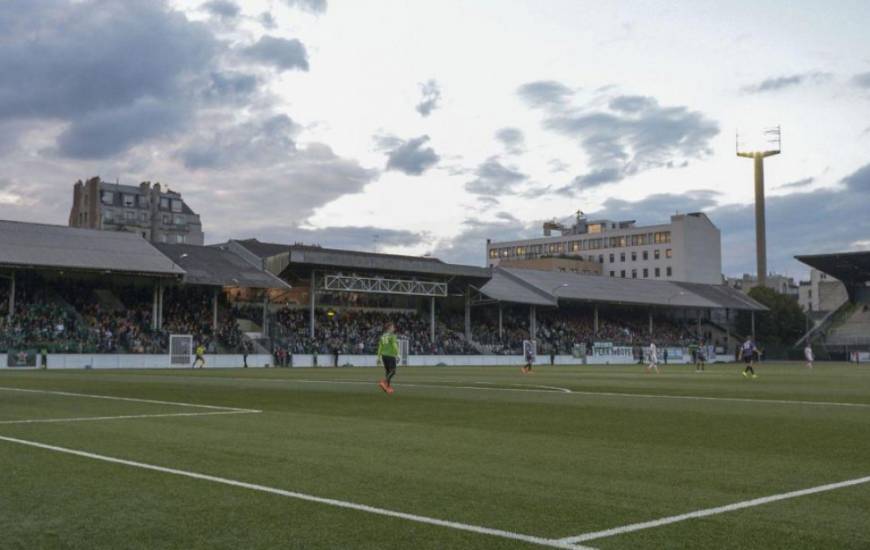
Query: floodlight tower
[[769, 143]]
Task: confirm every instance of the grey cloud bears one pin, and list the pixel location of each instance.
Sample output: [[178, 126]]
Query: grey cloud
[[282, 53], [146, 69], [632, 103], [311, 6], [512, 139], [231, 85], [862, 80], [224, 9], [494, 178], [430, 93], [109, 132], [638, 136], [469, 247], [544, 93], [411, 156], [267, 20], [782, 82], [796, 184], [362, 238], [259, 143]]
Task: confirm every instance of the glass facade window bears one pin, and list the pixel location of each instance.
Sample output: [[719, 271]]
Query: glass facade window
[[176, 205], [669, 271], [657, 254], [612, 258], [634, 274], [107, 197], [645, 273], [129, 200], [164, 203], [622, 256], [634, 256], [143, 201], [646, 255], [669, 253], [658, 272], [662, 237], [612, 273], [622, 274], [130, 215]]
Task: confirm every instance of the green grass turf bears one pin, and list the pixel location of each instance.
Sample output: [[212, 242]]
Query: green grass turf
[[452, 443]]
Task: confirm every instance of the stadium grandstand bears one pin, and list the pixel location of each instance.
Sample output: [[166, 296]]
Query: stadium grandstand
[[81, 291], [84, 291], [844, 332]]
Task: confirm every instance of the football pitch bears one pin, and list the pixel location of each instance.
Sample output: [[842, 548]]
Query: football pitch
[[459, 457]]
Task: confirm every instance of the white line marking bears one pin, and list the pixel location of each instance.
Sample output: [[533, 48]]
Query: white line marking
[[729, 399], [711, 511], [124, 417], [310, 498], [133, 399]]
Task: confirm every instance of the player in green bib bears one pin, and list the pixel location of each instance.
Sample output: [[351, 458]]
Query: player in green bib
[[388, 356]]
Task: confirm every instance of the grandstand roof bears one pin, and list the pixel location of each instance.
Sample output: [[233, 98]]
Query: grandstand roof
[[205, 265], [847, 267], [35, 245], [529, 286], [305, 256]]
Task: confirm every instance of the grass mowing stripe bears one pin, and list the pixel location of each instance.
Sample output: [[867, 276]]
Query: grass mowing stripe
[[131, 399], [712, 511], [310, 498], [123, 417]]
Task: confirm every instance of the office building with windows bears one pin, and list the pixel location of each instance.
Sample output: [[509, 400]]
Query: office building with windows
[[159, 215], [688, 249]]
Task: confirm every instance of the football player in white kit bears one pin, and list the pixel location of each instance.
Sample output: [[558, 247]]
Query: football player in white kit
[[653, 358], [808, 353]]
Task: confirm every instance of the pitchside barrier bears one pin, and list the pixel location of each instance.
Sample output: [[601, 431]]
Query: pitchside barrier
[[136, 361]]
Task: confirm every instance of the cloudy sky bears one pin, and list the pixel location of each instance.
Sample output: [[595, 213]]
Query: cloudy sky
[[426, 127]]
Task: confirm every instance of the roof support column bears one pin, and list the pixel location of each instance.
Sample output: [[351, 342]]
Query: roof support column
[[468, 313], [699, 324], [12, 295], [160, 293], [313, 300], [533, 322], [752, 323], [154, 305], [265, 313], [432, 320], [650, 322], [214, 311], [595, 319], [500, 326]]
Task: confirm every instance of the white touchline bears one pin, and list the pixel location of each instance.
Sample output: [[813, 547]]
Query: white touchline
[[310, 498], [132, 399], [122, 417], [712, 511]]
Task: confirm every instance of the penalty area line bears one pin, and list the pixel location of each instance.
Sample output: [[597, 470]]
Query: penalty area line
[[540, 541], [711, 511], [121, 417], [130, 399]]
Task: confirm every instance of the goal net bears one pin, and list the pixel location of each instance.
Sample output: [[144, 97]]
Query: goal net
[[180, 349]]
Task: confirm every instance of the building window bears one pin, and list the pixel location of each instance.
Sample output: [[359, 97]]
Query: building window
[[493, 253], [669, 253], [662, 237], [669, 272], [658, 272], [130, 215], [167, 219], [164, 203], [634, 256], [106, 197], [622, 274], [646, 255], [179, 238], [143, 216], [612, 258], [613, 274], [622, 256], [143, 201], [129, 200], [657, 254], [634, 274], [645, 273], [601, 258], [176, 206]]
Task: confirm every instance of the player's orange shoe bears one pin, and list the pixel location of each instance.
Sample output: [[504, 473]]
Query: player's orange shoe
[[389, 390]]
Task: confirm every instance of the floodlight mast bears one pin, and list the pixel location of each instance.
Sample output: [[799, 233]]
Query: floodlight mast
[[772, 145]]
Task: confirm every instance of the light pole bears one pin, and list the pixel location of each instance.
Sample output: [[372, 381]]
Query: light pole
[[770, 144]]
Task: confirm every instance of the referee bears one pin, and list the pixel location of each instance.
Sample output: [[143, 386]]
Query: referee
[[388, 354]]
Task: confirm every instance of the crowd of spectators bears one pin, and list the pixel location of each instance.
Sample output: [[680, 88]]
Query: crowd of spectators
[[74, 319], [358, 332], [561, 330]]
